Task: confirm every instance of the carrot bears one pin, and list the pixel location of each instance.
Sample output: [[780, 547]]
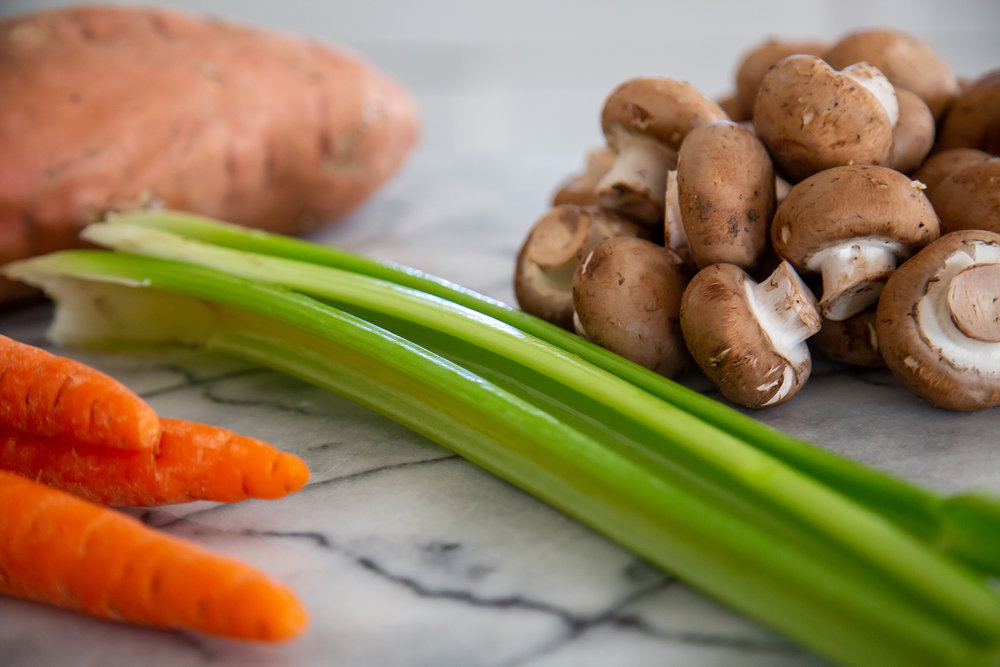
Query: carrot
[[193, 462], [49, 395], [59, 549]]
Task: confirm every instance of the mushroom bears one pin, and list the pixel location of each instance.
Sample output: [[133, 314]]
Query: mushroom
[[913, 135], [748, 337], [974, 118], [853, 341], [627, 294], [969, 197], [758, 60], [543, 277], [941, 165], [731, 105], [644, 122], [905, 60], [812, 117], [580, 189], [725, 194], [939, 321], [852, 224]]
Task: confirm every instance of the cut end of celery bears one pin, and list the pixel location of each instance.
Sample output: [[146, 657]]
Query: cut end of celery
[[94, 310]]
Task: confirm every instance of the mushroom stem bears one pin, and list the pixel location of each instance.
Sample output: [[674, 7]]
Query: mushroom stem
[[974, 302], [786, 310], [674, 235], [781, 188], [580, 189], [854, 273], [635, 186]]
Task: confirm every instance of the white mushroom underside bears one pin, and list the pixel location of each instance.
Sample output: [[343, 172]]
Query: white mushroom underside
[[641, 164], [933, 317], [558, 288], [850, 263], [768, 304], [674, 233], [878, 85]]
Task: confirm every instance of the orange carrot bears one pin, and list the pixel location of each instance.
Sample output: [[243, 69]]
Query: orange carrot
[[45, 394], [193, 462], [59, 549]]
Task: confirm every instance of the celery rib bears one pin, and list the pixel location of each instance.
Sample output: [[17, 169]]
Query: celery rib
[[922, 513], [836, 606], [674, 434]]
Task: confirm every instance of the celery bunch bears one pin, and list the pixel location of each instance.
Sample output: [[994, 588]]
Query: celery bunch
[[859, 566]]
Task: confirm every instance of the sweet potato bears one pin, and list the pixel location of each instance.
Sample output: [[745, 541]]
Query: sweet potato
[[110, 108]]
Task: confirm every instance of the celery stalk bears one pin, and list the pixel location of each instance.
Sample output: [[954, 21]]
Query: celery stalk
[[959, 529], [676, 436], [783, 574]]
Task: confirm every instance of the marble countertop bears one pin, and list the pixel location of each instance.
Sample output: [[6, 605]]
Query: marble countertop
[[406, 554]]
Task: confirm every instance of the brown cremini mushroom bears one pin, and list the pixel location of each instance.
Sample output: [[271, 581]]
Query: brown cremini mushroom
[[543, 276], [627, 294], [905, 60], [812, 117], [973, 120], [939, 321], [758, 60], [941, 165], [731, 105], [969, 197], [913, 135], [853, 341], [748, 337], [852, 224], [644, 121], [724, 195], [580, 190]]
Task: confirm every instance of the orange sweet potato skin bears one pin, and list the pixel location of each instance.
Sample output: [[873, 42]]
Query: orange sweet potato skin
[[109, 108]]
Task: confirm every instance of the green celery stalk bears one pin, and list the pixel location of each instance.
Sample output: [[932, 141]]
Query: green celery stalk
[[802, 586], [957, 526], [684, 441]]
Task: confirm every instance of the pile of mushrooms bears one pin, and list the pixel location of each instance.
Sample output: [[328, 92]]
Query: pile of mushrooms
[[863, 172]]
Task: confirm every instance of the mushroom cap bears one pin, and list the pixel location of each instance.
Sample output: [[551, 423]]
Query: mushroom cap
[[905, 60], [549, 255], [758, 60], [726, 194], [914, 318], [627, 294], [940, 165], [974, 117], [730, 346], [661, 108], [969, 197], [853, 341], [812, 117], [733, 108], [913, 135], [849, 202]]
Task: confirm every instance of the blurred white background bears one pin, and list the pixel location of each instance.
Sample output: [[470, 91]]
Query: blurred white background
[[525, 75]]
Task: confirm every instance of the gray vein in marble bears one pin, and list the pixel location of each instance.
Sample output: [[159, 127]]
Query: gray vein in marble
[[382, 469], [163, 520], [189, 379], [576, 625], [216, 397], [418, 589]]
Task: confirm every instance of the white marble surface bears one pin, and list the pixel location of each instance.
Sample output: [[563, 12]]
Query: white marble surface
[[406, 554]]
